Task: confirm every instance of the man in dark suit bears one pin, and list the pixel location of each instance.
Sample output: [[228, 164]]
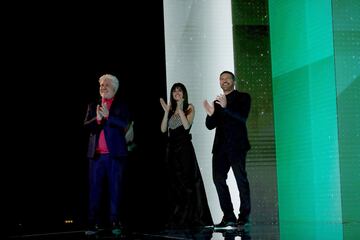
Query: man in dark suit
[[228, 114], [106, 121]]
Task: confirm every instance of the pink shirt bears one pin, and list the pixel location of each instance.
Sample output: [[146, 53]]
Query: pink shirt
[[102, 146]]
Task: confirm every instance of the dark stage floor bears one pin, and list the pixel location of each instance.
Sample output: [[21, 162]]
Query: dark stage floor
[[244, 232], [289, 231]]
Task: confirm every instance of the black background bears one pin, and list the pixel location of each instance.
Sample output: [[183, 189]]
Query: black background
[[53, 56]]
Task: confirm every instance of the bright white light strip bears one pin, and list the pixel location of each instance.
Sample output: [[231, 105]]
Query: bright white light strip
[[199, 46]]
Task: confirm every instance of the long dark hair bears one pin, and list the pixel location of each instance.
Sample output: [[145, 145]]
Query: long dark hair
[[173, 101]]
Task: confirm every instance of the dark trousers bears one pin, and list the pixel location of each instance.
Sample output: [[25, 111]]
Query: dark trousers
[[222, 161], [106, 179]]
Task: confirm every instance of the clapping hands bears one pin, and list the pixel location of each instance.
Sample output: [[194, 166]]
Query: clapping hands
[[209, 108], [164, 105], [102, 111], [221, 100], [180, 104]]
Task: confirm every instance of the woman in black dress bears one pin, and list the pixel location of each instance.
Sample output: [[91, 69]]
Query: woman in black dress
[[188, 206]]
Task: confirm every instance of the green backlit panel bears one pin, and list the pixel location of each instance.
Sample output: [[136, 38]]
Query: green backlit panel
[[306, 130], [346, 15], [301, 33], [311, 231], [253, 71]]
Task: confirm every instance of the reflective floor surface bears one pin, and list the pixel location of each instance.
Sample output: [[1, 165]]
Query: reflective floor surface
[[289, 231], [244, 232]]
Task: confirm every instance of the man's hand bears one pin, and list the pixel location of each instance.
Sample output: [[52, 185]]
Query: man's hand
[[221, 100], [99, 115], [208, 108], [104, 110]]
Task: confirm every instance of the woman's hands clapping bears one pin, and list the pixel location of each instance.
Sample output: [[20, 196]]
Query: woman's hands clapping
[[164, 105]]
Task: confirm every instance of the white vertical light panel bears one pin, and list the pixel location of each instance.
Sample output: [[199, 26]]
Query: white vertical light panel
[[199, 46]]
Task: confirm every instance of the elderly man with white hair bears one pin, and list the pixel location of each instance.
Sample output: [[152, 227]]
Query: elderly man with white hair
[[107, 121]]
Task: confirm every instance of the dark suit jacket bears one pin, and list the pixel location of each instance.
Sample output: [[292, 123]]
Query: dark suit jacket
[[230, 123], [114, 128]]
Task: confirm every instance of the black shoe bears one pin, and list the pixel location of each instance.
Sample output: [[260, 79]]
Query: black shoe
[[242, 221], [225, 224]]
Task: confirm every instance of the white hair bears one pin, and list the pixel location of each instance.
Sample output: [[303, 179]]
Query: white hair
[[112, 78]]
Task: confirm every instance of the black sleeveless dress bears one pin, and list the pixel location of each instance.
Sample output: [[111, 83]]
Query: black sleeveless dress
[[188, 202]]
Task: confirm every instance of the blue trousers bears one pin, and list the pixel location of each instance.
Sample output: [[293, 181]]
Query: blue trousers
[[106, 179]]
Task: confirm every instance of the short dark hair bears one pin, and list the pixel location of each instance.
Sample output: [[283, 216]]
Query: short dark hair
[[228, 72]]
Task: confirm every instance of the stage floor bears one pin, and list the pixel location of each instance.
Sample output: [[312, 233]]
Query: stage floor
[[245, 233], [289, 231]]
